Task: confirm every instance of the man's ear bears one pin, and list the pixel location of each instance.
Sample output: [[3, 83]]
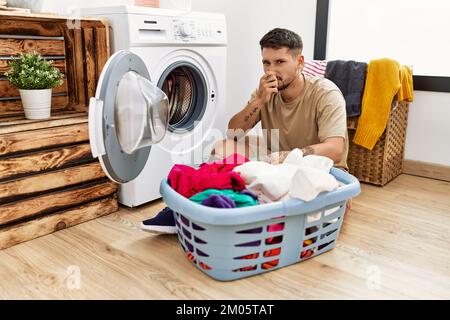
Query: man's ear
[[301, 60], [300, 63]]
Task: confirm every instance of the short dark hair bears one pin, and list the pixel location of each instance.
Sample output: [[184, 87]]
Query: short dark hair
[[278, 38]]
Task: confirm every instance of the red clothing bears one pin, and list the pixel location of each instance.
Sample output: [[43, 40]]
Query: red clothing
[[188, 181]]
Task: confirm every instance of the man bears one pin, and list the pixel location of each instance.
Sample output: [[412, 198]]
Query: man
[[306, 112]]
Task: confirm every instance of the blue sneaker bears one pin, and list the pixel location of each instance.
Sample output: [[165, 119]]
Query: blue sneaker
[[163, 223]]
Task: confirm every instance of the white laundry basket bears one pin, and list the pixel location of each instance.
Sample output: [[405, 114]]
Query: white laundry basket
[[229, 244]]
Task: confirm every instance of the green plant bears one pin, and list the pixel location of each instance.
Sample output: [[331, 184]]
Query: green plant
[[31, 72]]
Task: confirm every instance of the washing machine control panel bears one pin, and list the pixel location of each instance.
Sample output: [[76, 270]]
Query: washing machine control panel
[[187, 30]]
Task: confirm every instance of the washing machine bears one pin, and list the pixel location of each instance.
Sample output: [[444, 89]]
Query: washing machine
[[160, 99]]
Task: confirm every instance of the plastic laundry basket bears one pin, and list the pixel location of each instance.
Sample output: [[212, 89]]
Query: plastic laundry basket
[[229, 244]]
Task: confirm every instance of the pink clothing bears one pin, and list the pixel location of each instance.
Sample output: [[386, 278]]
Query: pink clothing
[[188, 181], [275, 227], [315, 68]]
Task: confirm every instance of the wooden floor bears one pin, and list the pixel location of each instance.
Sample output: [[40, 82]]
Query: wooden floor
[[395, 243]]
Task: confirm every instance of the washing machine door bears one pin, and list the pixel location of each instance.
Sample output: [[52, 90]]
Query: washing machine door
[[127, 116]]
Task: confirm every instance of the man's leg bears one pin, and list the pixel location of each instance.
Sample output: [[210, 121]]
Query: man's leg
[[162, 223], [348, 206], [252, 147], [349, 203]]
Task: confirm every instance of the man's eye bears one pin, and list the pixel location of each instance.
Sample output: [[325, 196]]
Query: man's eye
[[280, 61]]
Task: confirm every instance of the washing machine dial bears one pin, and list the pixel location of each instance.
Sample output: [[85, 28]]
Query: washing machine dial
[[185, 30]]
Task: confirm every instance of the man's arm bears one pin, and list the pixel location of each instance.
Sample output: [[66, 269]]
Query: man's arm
[[248, 117], [332, 148], [251, 115], [332, 126]]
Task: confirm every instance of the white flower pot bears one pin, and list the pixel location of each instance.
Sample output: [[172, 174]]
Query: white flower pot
[[36, 103]]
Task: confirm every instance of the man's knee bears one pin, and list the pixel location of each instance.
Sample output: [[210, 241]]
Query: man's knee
[[226, 147], [223, 147], [252, 147]]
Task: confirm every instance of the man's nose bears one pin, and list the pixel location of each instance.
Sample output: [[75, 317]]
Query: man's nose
[[270, 68]]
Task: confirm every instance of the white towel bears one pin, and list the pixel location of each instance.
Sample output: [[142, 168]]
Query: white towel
[[308, 183], [270, 182], [295, 157], [299, 177]]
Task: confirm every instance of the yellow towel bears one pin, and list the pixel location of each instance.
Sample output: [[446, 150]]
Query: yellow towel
[[383, 81], [406, 92]]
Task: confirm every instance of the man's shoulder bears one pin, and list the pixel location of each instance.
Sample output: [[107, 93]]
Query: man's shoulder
[[320, 83], [320, 87]]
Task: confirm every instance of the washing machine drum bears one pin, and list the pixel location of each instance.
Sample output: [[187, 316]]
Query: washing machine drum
[[128, 115]]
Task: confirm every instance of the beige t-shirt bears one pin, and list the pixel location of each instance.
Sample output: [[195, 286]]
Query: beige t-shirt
[[317, 114]]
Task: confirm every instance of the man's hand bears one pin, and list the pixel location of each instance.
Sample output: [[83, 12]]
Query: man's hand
[[268, 85], [276, 157], [251, 115]]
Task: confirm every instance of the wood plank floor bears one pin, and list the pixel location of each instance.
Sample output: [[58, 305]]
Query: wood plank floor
[[395, 243]]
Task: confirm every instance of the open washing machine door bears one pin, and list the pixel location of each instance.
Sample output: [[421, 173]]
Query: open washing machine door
[[127, 116]]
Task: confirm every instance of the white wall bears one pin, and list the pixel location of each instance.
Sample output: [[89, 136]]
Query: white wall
[[66, 7], [428, 131], [413, 32], [404, 30]]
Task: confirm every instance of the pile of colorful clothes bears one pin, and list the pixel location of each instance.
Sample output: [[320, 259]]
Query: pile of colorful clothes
[[236, 182], [213, 184]]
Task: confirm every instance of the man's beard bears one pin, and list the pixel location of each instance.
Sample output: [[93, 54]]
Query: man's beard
[[284, 87]]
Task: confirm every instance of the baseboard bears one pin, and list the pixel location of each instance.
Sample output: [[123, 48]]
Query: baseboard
[[427, 170]]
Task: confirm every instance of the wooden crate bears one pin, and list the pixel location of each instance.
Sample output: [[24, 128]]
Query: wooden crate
[[385, 161], [48, 178]]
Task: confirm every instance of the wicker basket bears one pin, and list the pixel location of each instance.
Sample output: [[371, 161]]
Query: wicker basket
[[385, 161]]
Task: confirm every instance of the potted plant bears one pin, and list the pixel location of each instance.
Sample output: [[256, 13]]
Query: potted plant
[[35, 78]]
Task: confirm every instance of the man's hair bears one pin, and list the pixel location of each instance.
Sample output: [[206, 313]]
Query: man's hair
[[278, 38]]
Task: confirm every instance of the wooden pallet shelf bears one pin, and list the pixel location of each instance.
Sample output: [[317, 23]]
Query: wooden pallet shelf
[[48, 178]]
